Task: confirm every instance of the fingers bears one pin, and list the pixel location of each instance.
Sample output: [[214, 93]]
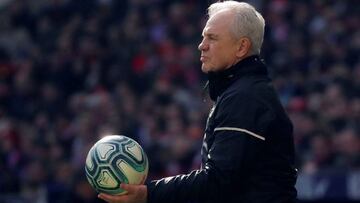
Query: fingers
[[135, 193], [106, 197], [127, 187], [114, 198]]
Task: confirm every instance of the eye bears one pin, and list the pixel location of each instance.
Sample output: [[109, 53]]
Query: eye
[[212, 38]]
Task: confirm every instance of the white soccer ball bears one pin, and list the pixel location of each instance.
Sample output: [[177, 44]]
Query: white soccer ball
[[113, 160]]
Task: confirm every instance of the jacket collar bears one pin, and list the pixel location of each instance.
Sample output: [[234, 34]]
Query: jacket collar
[[219, 81]]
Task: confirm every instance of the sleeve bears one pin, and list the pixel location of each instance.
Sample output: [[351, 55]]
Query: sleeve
[[231, 154]]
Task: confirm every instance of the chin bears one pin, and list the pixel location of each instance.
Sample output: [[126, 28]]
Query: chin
[[204, 69]]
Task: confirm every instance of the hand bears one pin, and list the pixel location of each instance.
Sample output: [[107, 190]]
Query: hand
[[135, 194]]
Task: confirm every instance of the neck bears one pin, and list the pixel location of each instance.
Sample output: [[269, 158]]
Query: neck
[[219, 81], [238, 59]]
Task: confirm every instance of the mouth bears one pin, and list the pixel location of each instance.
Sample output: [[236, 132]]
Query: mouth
[[203, 58]]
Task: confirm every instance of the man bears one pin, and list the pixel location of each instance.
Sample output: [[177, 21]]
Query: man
[[248, 150]]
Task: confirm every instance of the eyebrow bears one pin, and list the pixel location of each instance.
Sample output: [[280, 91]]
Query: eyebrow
[[210, 35]]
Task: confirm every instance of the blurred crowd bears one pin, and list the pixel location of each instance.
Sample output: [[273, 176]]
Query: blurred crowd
[[74, 71]]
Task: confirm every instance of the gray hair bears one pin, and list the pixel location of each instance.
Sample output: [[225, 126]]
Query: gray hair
[[247, 22]]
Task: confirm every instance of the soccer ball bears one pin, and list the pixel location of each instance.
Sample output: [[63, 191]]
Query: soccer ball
[[113, 160]]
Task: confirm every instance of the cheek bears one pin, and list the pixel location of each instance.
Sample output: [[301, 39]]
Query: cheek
[[217, 56]]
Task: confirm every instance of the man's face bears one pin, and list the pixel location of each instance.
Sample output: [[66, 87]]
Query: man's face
[[218, 47]]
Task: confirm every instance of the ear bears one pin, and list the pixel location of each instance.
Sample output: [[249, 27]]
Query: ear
[[244, 47]]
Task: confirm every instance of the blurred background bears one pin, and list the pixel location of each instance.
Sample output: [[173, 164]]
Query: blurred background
[[72, 71]]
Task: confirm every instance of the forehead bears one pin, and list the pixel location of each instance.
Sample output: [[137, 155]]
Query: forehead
[[219, 22]]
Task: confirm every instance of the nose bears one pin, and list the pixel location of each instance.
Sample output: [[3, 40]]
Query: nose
[[203, 46]]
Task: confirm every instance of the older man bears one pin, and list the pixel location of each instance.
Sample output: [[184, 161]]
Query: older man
[[248, 150]]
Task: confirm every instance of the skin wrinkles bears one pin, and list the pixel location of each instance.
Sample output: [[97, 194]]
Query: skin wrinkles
[[219, 49]]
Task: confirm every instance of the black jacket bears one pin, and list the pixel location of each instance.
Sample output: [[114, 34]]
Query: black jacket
[[248, 150]]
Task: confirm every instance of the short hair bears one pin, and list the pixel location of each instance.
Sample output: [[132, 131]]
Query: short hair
[[247, 22]]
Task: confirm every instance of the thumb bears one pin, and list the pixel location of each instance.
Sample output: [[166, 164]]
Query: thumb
[[128, 187], [136, 193]]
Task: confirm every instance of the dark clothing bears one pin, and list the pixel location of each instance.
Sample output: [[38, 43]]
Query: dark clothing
[[248, 149]]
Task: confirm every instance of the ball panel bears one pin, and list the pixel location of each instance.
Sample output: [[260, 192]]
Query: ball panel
[[105, 150], [89, 163], [138, 166], [133, 176], [107, 180], [90, 180], [116, 138], [135, 151], [130, 151]]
